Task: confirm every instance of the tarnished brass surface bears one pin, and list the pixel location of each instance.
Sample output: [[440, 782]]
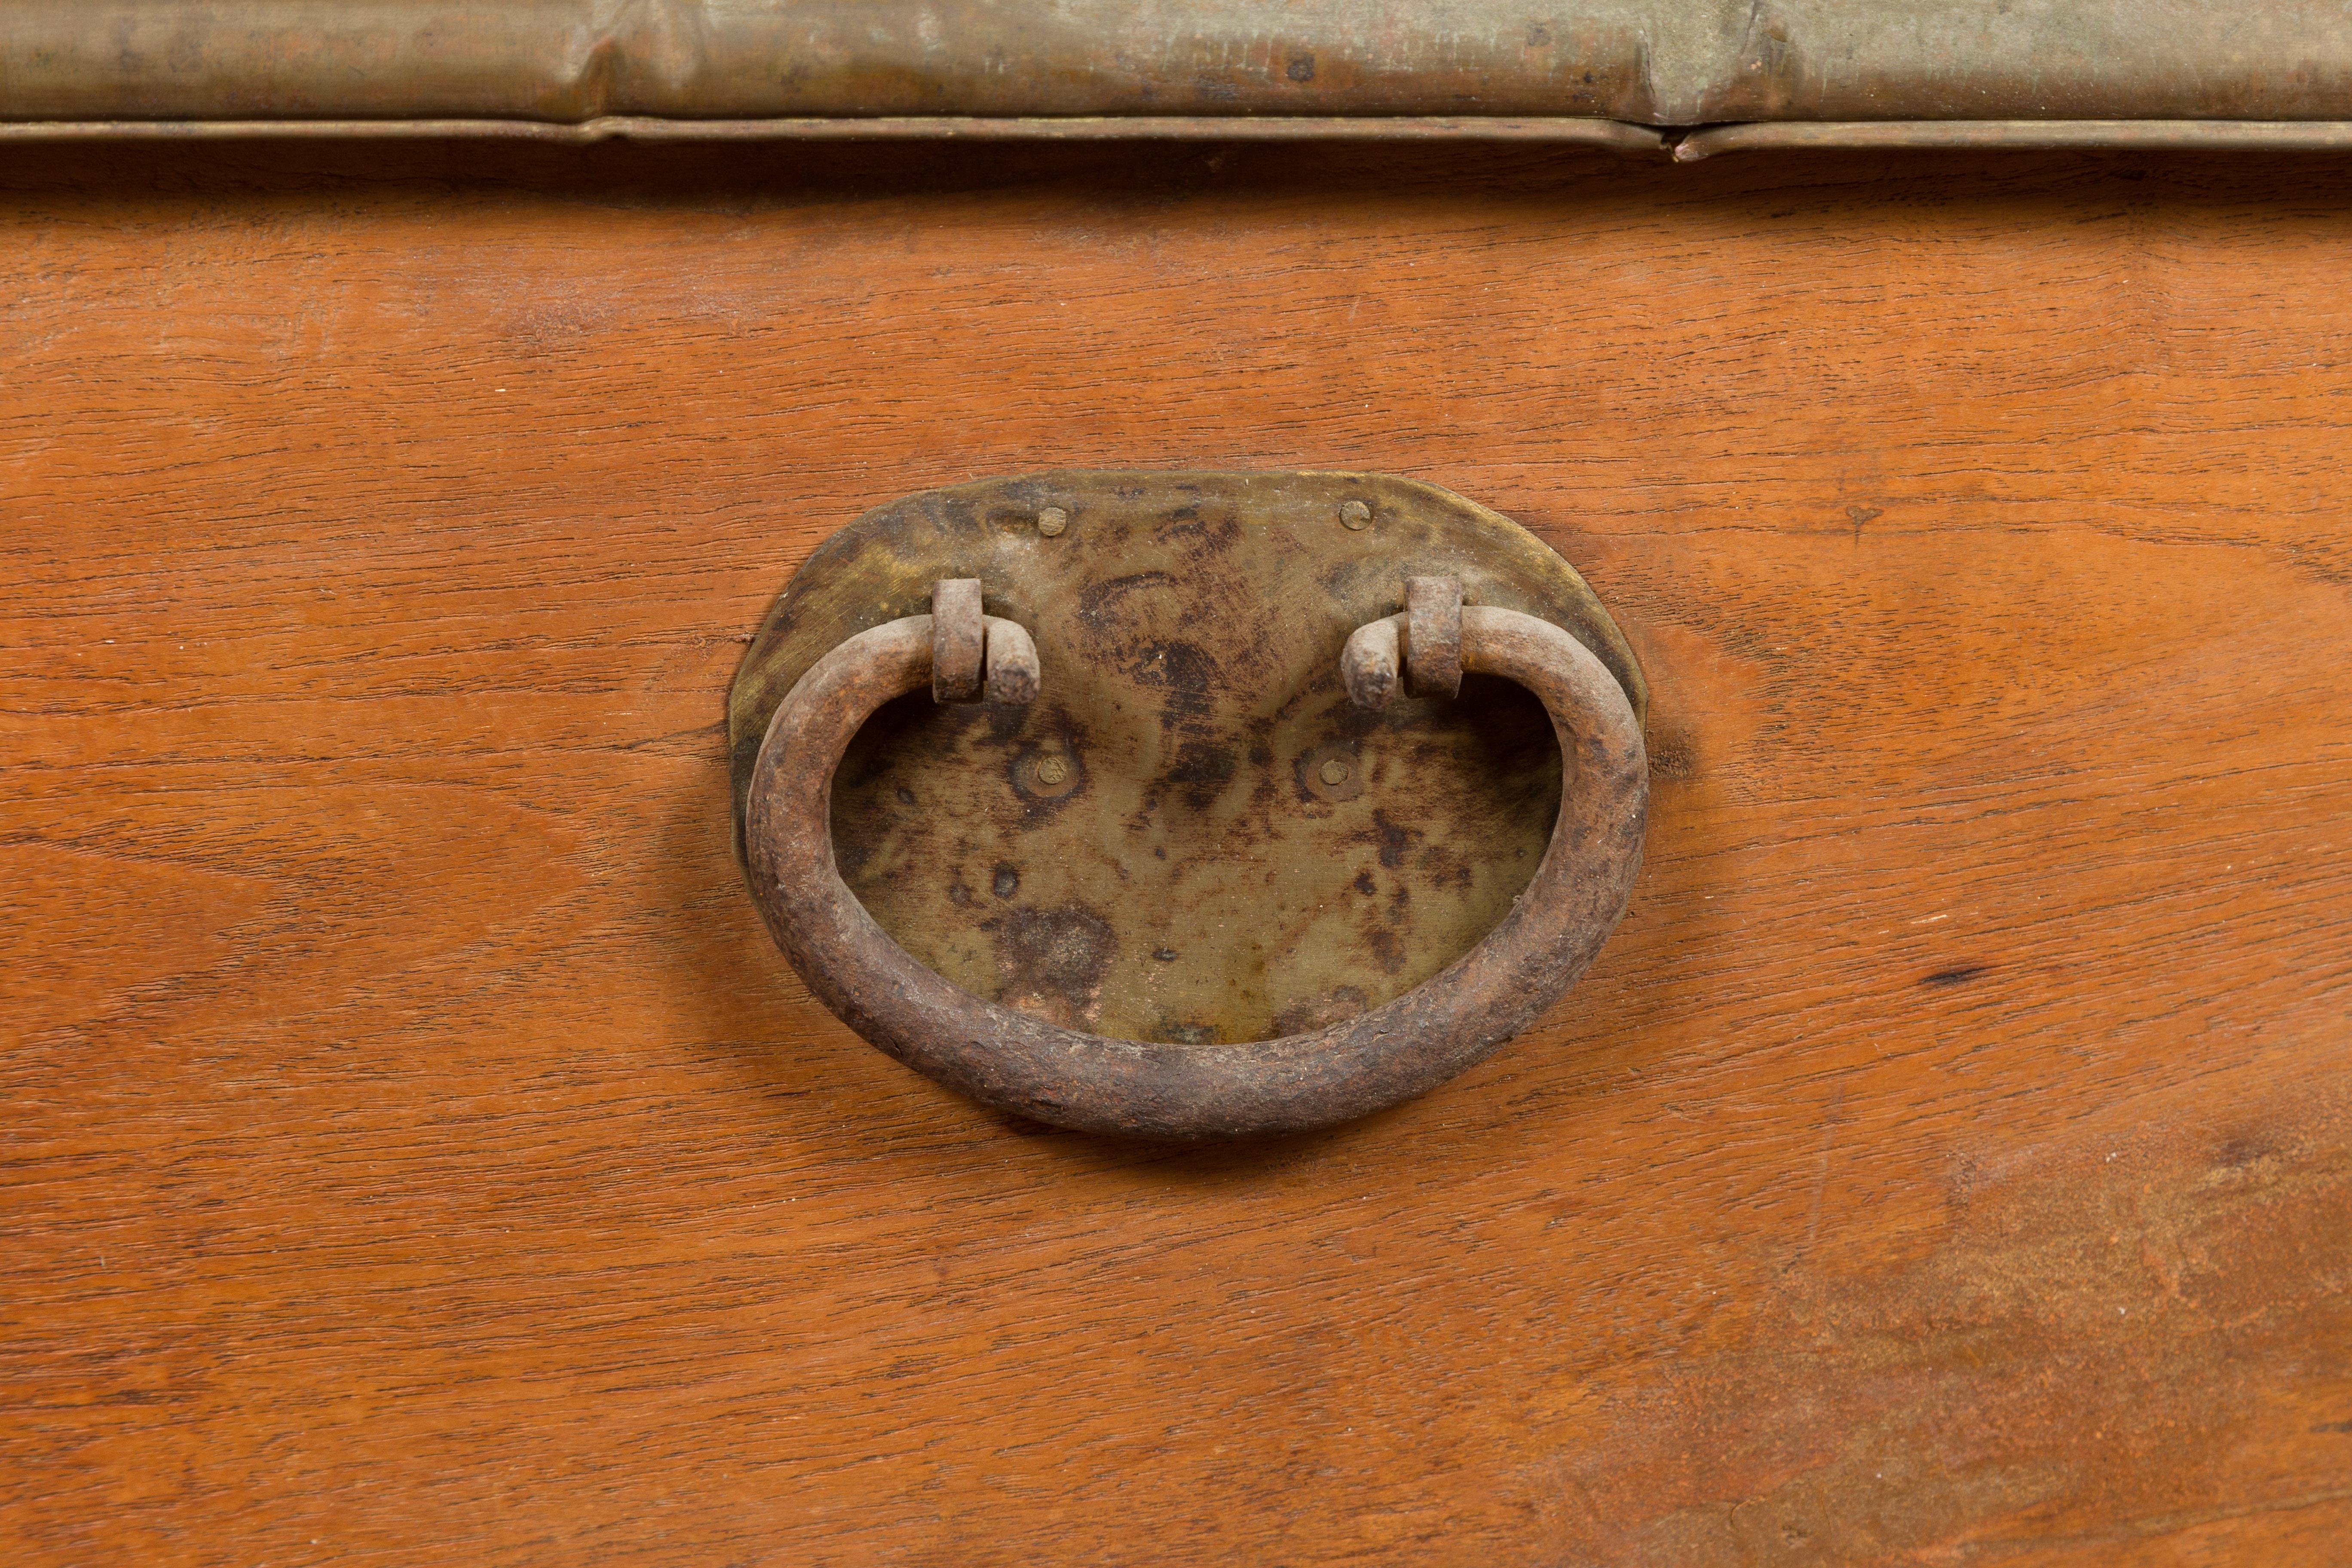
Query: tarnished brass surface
[[1191, 835], [2020, 135], [1607, 135], [1602, 135], [1656, 62]]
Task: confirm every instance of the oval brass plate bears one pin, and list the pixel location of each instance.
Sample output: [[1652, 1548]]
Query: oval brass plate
[[1191, 835]]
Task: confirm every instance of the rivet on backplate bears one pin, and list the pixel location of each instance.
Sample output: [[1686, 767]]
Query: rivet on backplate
[[1052, 771], [1052, 520], [1355, 514], [1330, 773]]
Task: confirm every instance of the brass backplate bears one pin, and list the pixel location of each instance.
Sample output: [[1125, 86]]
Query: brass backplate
[[1191, 835]]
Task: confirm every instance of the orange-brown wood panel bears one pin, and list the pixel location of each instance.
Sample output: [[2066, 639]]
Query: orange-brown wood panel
[[414, 1151]]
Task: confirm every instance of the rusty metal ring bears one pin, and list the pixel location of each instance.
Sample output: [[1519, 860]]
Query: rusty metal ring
[[1190, 1092]]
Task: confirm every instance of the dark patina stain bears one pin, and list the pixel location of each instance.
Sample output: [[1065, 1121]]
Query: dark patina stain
[[1052, 961], [1441, 868], [1319, 1012], [1393, 840], [850, 855], [1202, 771], [1183, 672], [1005, 882], [1006, 720], [1099, 602], [1199, 534], [1365, 885]]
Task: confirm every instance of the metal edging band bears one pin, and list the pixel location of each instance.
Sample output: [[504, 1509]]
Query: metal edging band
[[1682, 146], [1595, 70]]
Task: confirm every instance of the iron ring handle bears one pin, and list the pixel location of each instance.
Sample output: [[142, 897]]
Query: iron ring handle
[[1071, 1079]]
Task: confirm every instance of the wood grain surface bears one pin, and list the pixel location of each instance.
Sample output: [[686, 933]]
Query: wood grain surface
[[415, 1152]]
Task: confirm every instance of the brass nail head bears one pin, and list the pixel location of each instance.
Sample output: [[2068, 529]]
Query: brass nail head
[[1335, 772], [1051, 769], [1355, 514], [1052, 520]]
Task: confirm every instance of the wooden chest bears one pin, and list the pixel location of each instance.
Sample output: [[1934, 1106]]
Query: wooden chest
[[417, 1151]]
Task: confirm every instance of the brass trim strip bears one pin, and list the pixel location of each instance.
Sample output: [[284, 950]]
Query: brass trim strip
[[1611, 135], [2178, 135], [1646, 62], [1689, 146]]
